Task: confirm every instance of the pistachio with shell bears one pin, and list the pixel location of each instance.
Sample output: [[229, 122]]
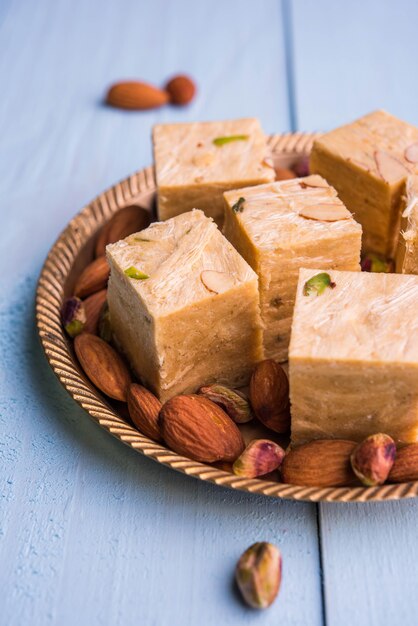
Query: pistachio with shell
[[259, 573], [231, 401], [104, 328], [373, 458], [260, 457], [73, 316]]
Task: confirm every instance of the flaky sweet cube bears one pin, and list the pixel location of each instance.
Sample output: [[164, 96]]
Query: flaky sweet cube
[[280, 227], [196, 162], [353, 356], [407, 250], [368, 162], [184, 306]]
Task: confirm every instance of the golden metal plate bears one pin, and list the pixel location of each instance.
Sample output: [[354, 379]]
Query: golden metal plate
[[71, 252]]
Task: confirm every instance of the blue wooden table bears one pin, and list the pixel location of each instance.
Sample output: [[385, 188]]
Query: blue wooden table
[[91, 533]]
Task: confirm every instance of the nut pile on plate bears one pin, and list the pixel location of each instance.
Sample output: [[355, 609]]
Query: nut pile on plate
[[205, 426]]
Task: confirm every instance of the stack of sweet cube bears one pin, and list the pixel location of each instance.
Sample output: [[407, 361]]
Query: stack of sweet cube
[[241, 267]]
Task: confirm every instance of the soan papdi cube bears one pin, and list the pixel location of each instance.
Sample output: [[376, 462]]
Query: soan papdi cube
[[368, 162], [196, 162], [281, 227], [184, 306], [407, 251], [353, 356]]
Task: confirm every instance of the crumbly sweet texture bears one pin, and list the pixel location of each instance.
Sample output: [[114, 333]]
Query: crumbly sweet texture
[[368, 162], [193, 172], [353, 358], [269, 228], [407, 251], [196, 319]]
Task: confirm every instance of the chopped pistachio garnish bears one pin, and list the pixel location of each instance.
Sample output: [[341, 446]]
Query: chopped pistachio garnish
[[221, 141], [140, 239], [132, 272], [237, 207], [317, 284], [374, 263]]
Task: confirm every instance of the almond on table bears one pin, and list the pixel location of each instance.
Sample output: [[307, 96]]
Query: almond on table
[[184, 306], [181, 89], [280, 227], [136, 95]]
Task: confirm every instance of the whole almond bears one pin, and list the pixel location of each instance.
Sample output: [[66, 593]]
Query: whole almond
[[103, 366], [92, 306], [135, 95], [405, 467], [181, 89], [195, 427], [93, 278], [321, 463], [128, 220], [269, 395], [144, 409]]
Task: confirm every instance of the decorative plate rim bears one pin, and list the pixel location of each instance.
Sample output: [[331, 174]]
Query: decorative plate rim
[[49, 295]]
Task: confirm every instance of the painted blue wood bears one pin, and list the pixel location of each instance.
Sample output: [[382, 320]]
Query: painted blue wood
[[90, 532], [352, 59], [346, 63]]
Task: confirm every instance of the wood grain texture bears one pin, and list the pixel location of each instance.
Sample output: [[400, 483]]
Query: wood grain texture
[[346, 63], [90, 532]]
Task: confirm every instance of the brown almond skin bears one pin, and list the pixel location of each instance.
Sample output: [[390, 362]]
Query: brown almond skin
[[92, 306], [135, 95], [128, 220], [93, 278], [321, 463], [103, 366], [196, 427], [144, 409], [269, 395], [181, 90], [282, 173], [405, 467]]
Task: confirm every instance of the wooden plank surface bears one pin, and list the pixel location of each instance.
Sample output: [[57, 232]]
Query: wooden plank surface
[[353, 58], [90, 532], [346, 63]]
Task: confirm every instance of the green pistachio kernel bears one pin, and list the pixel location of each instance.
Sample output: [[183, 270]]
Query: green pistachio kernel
[[132, 272], [317, 284], [221, 141], [237, 207]]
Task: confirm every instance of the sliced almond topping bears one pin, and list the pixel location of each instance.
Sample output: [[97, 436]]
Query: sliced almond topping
[[268, 162], [326, 212], [316, 183], [218, 282], [359, 164], [411, 153], [389, 168]]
